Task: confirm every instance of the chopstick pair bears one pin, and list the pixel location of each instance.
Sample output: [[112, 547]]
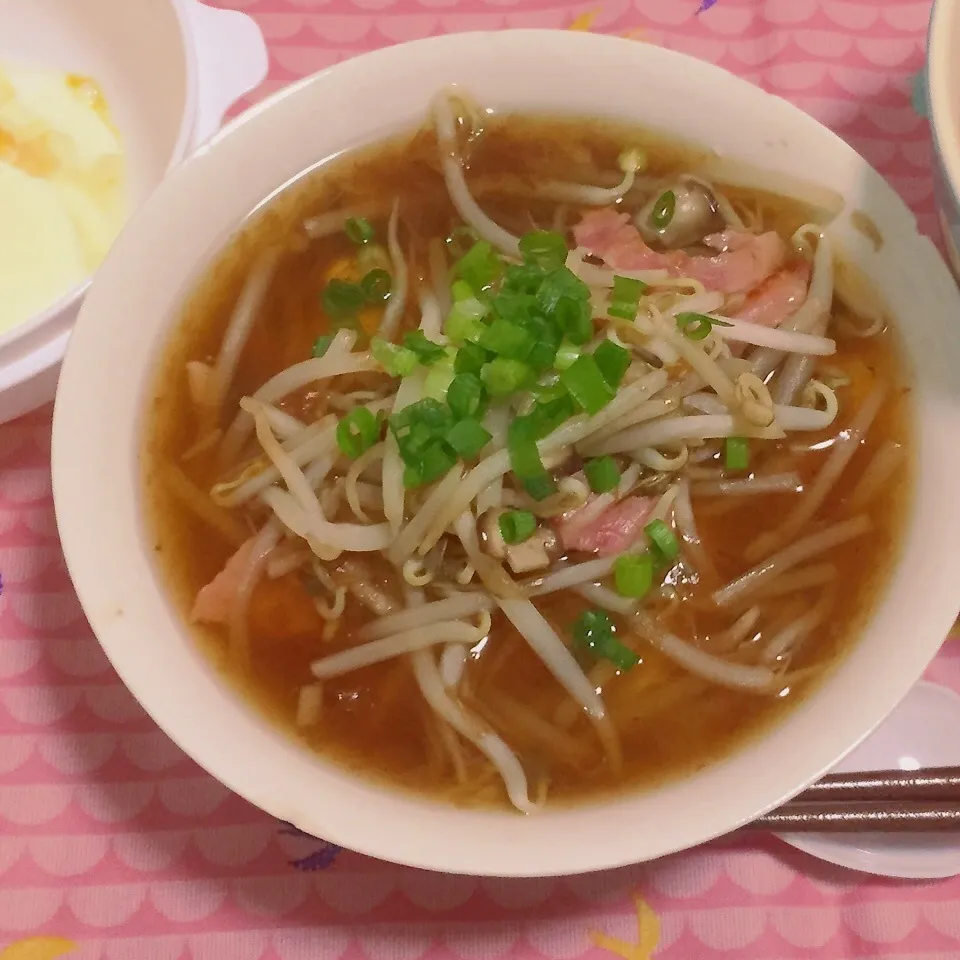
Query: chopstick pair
[[887, 800]]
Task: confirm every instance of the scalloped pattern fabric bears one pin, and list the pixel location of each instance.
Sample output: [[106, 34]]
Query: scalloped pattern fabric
[[115, 846]]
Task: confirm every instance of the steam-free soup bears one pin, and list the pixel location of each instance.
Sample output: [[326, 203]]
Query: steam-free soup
[[521, 462]]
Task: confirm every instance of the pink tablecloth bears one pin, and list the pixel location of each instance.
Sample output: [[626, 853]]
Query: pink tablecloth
[[113, 844]]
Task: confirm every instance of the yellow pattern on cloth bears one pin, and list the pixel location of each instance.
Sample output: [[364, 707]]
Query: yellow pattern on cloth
[[584, 23], [648, 936], [37, 948]]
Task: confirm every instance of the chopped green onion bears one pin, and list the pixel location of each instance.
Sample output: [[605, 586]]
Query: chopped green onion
[[464, 322], [507, 339], [633, 574], [543, 355], [546, 416], [357, 432], [663, 209], [465, 395], [341, 299], [575, 320], [359, 230], [613, 361], [587, 384], [560, 284], [525, 461], [602, 473], [595, 630], [517, 526], [480, 266], [434, 463], [468, 438], [628, 289], [544, 248], [470, 358], [696, 326], [321, 345], [428, 352], [376, 285], [396, 360], [461, 290], [503, 376], [736, 453], [439, 377], [550, 389], [662, 539], [418, 426], [625, 297], [567, 353]]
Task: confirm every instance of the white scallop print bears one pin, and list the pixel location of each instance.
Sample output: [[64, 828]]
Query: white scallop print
[[728, 928], [28, 910], [11, 850], [806, 927], [324, 941], [943, 917], [686, 877], [272, 896], [408, 941], [188, 901], [150, 852], [22, 564], [435, 891], [482, 941], [30, 805], [39, 705], [758, 872], [41, 520], [114, 802], [78, 753], [25, 485], [113, 702], [195, 796], [141, 948], [106, 907], [81, 657], [15, 750], [354, 894], [18, 656], [235, 845], [68, 856], [152, 750], [881, 922], [233, 945], [559, 938]]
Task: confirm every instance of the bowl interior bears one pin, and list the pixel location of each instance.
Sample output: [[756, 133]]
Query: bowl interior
[[134, 50], [98, 418]]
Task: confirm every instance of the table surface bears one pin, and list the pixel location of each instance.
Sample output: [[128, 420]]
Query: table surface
[[113, 844]]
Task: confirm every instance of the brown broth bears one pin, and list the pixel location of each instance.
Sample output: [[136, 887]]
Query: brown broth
[[374, 720]]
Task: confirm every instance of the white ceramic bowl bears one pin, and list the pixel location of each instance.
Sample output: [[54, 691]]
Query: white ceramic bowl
[[100, 409], [170, 70], [943, 100]]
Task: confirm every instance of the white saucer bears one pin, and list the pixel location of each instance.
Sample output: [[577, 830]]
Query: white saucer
[[924, 731]]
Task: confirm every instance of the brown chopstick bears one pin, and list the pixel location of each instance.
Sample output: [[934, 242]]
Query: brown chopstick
[[862, 817], [887, 800], [939, 783]]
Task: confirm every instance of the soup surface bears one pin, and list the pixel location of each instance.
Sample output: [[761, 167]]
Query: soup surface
[[582, 468]]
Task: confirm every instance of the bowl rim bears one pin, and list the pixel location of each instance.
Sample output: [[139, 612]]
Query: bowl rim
[[943, 29], [103, 556], [54, 321]]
